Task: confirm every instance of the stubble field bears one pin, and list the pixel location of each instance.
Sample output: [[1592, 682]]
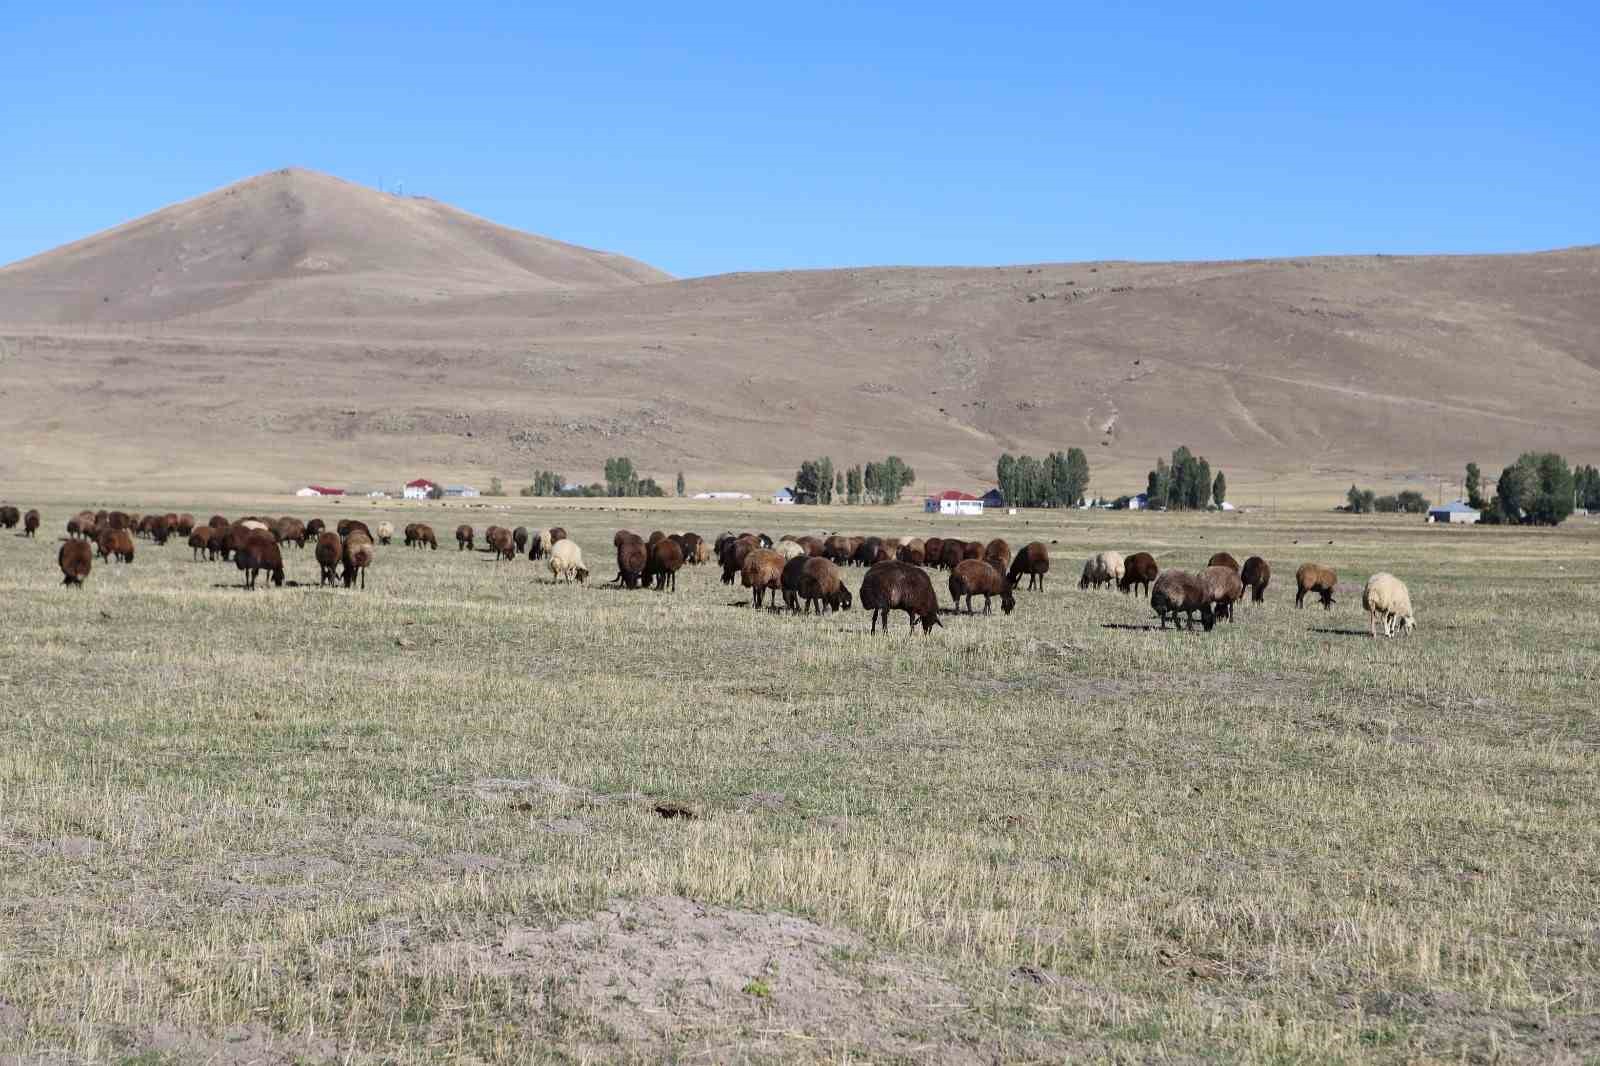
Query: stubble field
[[469, 815]]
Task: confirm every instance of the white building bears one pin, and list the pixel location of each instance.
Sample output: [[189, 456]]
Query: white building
[[460, 490], [783, 496], [1456, 512], [720, 496], [419, 489], [951, 502]]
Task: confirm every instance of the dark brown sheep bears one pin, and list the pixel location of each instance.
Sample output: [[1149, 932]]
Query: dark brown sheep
[[290, 529], [1314, 577], [101, 517], [30, 524], [314, 528], [933, 551], [822, 584], [410, 534], [953, 552], [238, 534], [216, 521], [81, 525], [911, 554], [1138, 569], [160, 528], [838, 549], [358, 555], [10, 516], [812, 545], [348, 526], [622, 536], [200, 541], [519, 538], [656, 535], [1034, 560], [329, 550], [185, 524], [896, 586], [666, 559], [116, 544], [498, 538], [1223, 590], [423, 534], [121, 520], [998, 552], [790, 582], [1256, 575], [76, 559], [464, 537], [1177, 592], [733, 556], [978, 577], [1224, 559], [866, 553], [260, 552], [632, 559], [556, 534], [690, 544], [762, 573], [972, 549]]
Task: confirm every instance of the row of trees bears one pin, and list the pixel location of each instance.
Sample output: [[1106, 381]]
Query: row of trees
[[1185, 484], [1365, 501], [883, 482], [621, 480], [1060, 480], [1538, 490]]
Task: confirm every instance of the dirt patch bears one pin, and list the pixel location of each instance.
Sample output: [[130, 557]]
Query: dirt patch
[[241, 1044], [668, 970], [69, 847]]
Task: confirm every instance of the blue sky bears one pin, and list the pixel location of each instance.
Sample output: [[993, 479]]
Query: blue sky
[[733, 138]]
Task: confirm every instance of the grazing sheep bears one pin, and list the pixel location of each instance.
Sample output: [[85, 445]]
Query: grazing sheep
[[538, 544], [998, 552], [116, 544], [519, 538], [695, 550], [464, 537], [655, 535], [30, 524], [10, 516], [288, 528], [1034, 560], [1386, 596], [423, 534], [1223, 590], [260, 553], [348, 526], [954, 551], [702, 553], [979, 577], [557, 535], [184, 525], [933, 551], [385, 532], [763, 572], [733, 556], [328, 551], [76, 559], [866, 551], [789, 583], [791, 550], [358, 555], [893, 586], [566, 562], [838, 550], [409, 535], [632, 558], [216, 521], [498, 538], [621, 536], [1256, 574], [822, 583], [666, 559], [1105, 568], [1224, 559], [1314, 577], [972, 549], [911, 554], [200, 540], [314, 528], [1138, 569], [81, 525], [122, 520], [1177, 592]]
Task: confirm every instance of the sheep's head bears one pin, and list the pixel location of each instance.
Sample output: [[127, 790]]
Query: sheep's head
[[1407, 624], [930, 620], [844, 599], [582, 575], [1008, 602]]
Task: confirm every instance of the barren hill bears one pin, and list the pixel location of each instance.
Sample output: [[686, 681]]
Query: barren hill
[[497, 353]]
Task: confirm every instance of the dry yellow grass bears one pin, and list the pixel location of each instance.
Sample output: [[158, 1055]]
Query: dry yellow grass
[[420, 822]]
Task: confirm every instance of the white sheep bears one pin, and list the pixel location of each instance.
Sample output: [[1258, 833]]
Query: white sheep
[[1387, 595], [790, 550], [566, 561], [385, 532], [1105, 568], [538, 543]]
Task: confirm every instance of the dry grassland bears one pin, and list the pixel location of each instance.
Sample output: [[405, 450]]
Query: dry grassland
[[428, 822]]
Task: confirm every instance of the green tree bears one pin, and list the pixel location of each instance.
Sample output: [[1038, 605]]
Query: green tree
[[805, 482], [1360, 501], [1537, 489], [1005, 472], [838, 486], [1474, 487], [1077, 475], [1155, 489], [855, 487], [681, 488], [824, 480], [1219, 489], [621, 478]]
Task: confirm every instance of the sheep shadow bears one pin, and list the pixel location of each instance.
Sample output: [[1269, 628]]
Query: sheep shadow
[[1341, 632]]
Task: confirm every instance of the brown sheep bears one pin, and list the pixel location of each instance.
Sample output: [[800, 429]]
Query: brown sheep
[[314, 528], [358, 555], [81, 525], [200, 540], [665, 560], [866, 553], [933, 551], [121, 520], [1177, 592], [1223, 590], [1255, 575], [410, 535], [1314, 577], [10, 516], [972, 549], [911, 554], [238, 535], [632, 559], [1224, 559], [160, 528], [898, 587], [790, 581], [838, 550], [76, 559], [556, 534], [185, 524], [498, 538], [1138, 569], [464, 537], [216, 521], [260, 552], [423, 534], [733, 556], [812, 545], [655, 536], [328, 551], [763, 572], [953, 552], [288, 528], [1034, 560], [519, 538], [101, 517], [977, 577], [30, 524], [821, 583], [692, 544], [116, 544], [998, 552], [348, 526]]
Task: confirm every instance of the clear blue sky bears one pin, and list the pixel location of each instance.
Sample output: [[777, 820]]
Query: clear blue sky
[[709, 138]]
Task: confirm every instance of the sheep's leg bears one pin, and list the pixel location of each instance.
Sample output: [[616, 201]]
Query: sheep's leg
[[987, 609]]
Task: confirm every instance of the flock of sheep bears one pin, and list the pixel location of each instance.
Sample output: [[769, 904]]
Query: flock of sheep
[[805, 572]]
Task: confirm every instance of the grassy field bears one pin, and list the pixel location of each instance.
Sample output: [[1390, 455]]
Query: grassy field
[[468, 815]]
